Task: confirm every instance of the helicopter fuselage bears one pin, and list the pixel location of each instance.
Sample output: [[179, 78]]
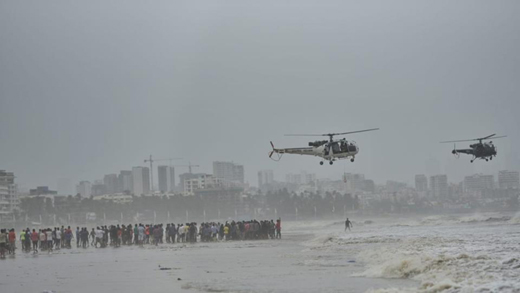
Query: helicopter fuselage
[[480, 150], [330, 151], [485, 151]]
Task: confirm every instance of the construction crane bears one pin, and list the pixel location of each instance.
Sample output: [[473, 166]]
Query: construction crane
[[169, 160], [190, 166], [151, 160]]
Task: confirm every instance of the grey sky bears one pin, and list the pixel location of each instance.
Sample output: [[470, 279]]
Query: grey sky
[[90, 88]]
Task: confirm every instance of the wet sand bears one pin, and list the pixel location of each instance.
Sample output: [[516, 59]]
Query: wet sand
[[285, 265]]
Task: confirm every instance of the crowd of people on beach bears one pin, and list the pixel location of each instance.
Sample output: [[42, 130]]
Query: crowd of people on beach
[[137, 234]]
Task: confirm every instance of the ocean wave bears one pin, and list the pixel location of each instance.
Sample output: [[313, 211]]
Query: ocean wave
[[515, 219], [441, 265], [457, 219], [340, 240]]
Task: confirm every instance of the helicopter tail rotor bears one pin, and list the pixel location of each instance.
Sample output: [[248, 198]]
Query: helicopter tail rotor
[[271, 152], [274, 151]]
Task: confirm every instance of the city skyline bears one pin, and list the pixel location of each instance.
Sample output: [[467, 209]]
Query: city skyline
[[194, 94]]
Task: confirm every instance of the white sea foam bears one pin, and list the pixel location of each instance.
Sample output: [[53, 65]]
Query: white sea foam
[[480, 258], [470, 253], [515, 219]]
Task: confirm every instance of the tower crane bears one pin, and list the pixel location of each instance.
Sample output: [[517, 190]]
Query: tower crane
[[151, 160], [190, 166]]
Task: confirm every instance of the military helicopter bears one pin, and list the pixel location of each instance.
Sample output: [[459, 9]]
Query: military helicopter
[[484, 151], [330, 150]]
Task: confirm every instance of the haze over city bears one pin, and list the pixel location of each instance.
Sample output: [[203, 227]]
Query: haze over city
[[94, 89]]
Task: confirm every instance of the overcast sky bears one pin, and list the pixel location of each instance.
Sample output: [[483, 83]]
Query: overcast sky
[[92, 87]]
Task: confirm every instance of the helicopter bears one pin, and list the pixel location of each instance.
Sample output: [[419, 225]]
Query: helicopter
[[330, 150], [484, 151]]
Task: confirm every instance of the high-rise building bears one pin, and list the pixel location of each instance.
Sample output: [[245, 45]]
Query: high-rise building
[[228, 172], [125, 179], [265, 177], [369, 185], [439, 186], [394, 186], [163, 178], [141, 180], [111, 183], [98, 188], [9, 201], [293, 178], [354, 181], [308, 178], [84, 189], [508, 180], [421, 183], [172, 179], [166, 178], [478, 182]]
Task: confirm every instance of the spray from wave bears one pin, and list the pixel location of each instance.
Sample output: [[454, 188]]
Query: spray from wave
[[443, 264]]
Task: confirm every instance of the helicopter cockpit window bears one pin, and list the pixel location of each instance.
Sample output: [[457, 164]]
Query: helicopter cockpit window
[[344, 146], [351, 147], [335, 148]]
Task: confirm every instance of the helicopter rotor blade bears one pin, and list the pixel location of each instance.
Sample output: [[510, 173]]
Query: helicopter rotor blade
[[488, 136], [492, 136], [333, 134], [357, 131], [463, 140], [304, 135]]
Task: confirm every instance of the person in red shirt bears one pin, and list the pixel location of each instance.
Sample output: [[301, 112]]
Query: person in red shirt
[[12, 240], [34, 238], [279, 228], [119, 237]]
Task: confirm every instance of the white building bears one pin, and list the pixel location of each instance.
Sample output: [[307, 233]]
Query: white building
[[478, 182], [265, 177], [439, 186], [353, 181], [508, 180], [116, 198], [228, 172], [84, 188], [9, 201], [204, 181], [302, 178], [141, 180], [293, 178]]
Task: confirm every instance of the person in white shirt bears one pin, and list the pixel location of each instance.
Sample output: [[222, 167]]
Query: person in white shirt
[[43, 240], [99, 237], [48, 233], [140, 237], [57, 233]]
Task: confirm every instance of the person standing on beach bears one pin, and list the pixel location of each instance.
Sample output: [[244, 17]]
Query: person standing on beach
[[278, 227], [34, 238], [78, 237], [348, 224]]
